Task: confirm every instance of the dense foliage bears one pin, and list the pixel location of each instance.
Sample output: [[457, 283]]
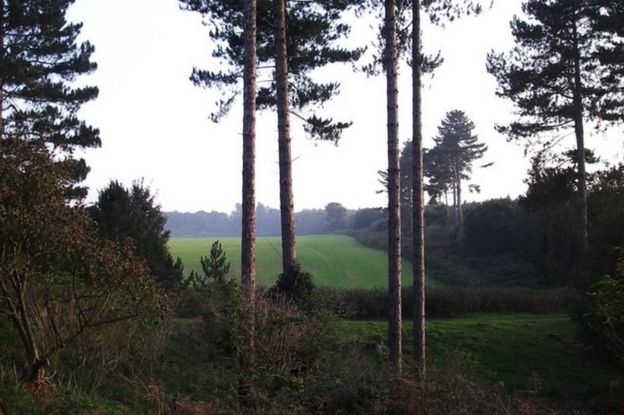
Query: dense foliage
[[59, 280], [132, 215], [39, 60], [314, 32]]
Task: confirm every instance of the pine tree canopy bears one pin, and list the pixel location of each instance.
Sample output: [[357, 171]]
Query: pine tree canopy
[[539, 73], [39, 62], [456, 141], [609, 20], [313, 32]]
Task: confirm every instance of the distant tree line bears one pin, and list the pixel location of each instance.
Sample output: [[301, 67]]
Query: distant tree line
[[333, 218]]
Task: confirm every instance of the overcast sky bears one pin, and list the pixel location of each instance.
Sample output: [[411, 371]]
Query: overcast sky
[[154, 123]]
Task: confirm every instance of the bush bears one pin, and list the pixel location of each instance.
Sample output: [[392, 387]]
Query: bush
[[607, 306], [295, 287]]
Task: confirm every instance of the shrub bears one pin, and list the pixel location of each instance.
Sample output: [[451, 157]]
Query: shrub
[[295, 287], [606, 311]]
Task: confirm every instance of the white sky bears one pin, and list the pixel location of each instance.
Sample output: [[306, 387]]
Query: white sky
[[154, 123]]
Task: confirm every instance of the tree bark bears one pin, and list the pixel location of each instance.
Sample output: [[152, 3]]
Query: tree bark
[[580, 142], [394, 208], [418, 205], [248, 238], [1, 74], [454, 188], [460, 213], [287, 209]]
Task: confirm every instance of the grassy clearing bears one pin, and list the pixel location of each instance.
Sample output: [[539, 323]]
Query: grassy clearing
[[525, 353], [534, 356], [335, 261]]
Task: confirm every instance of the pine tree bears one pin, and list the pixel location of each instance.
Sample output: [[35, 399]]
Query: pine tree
[[248, 220], [216, 266], [418, 202], [133, 215], [607, 19], [394, 211], [439, 11], [292, 40], [553, 75], [39, 59], [459, 148]]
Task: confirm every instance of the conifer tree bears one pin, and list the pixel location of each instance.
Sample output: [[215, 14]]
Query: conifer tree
[[438, 11], [394, 206], [132, 214], [554, 76], [293, 39], [459, 148], [39, 59], [248, 220], [607, 18]]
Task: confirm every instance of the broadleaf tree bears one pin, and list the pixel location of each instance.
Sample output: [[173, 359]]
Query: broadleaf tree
[[59, 279]]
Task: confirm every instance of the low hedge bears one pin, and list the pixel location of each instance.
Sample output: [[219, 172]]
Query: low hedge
[[448, 301]]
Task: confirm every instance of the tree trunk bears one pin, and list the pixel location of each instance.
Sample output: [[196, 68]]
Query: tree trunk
[[33, 372], [248, 238], [580, 143], [287, 209], [460, 213], [1, 74], [454, 188], [394, 208], [418, 205]]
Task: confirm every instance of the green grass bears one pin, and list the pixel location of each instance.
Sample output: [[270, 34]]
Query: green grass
[[525, 353], [335, 261]]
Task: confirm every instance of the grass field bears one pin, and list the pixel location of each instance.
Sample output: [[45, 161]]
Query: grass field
[[335, 261], [524, 352]]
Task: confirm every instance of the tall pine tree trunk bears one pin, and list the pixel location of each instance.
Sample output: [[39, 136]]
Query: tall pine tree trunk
[[418, 204], [248, 239], [287, 209], [1, 74], [580, 143], [460, 213], [454, 188], [394, 209]]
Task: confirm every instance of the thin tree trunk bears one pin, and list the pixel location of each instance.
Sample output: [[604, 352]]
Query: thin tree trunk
[[454, 188], [394, 208], [460, 213], [418, 205], [34, 371], [287, 209], [1, 74], [580, 143], [248, 242]]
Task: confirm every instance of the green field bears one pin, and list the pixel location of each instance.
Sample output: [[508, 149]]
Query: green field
[[523, 352], [335, 261]]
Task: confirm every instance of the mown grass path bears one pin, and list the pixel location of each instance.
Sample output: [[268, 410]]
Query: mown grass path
[[335, 261]]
